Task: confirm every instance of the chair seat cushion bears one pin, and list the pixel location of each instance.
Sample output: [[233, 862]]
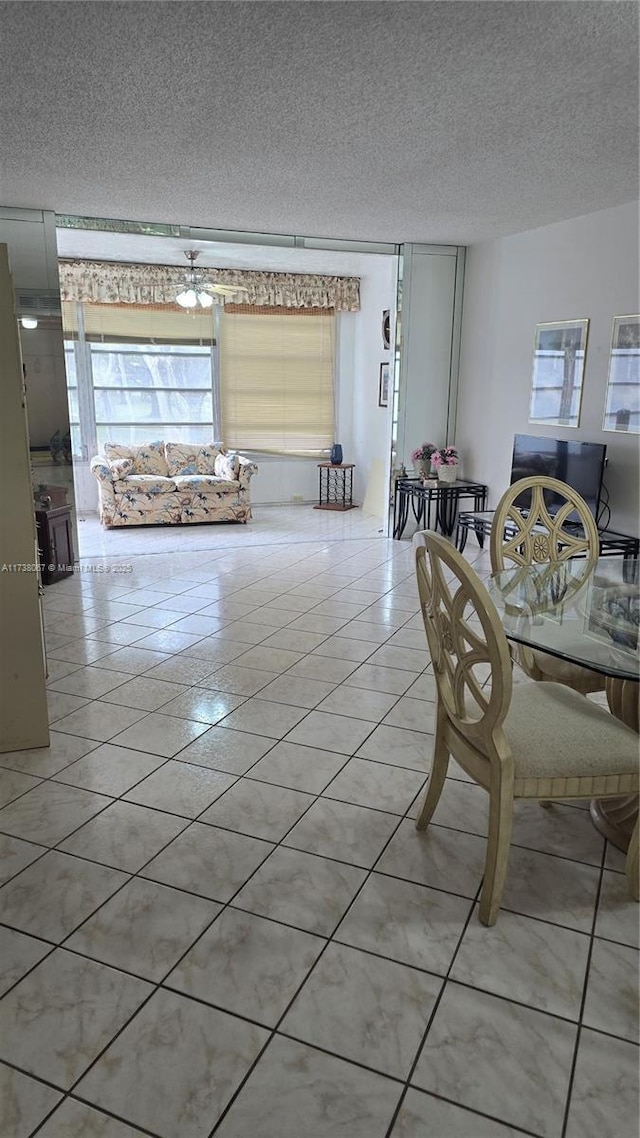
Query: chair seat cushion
[[556, 732]]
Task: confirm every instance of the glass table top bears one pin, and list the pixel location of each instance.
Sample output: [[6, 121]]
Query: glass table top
[[579, 611]]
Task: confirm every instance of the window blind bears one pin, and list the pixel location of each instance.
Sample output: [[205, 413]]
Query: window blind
[[277, 380], [124, 323]]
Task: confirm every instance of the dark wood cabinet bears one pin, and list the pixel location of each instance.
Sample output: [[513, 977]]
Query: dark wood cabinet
[[55, 543]]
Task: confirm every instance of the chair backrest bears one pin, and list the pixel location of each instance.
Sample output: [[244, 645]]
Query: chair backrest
[[467, 643], [538, 535]]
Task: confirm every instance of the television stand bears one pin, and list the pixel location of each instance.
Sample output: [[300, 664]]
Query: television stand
[[612, 543]]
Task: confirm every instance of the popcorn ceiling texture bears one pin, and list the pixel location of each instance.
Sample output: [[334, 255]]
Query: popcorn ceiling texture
[[447, 122]]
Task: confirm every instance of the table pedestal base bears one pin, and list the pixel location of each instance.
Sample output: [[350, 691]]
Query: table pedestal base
[[615, 818]]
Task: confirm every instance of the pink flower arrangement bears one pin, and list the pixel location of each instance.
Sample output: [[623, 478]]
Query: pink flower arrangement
[[424, 452], [446, 456]]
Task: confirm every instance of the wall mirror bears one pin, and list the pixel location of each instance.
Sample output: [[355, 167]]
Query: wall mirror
[[558, 368], [622, 408]]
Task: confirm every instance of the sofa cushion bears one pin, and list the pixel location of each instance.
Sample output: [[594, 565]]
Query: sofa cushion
[[146, 483], [204, 483], [190, 458], [148, 458], [227, 466]]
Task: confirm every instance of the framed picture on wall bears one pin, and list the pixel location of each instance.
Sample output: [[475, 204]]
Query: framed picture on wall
[[622, 407], [383, 386], [558, 369]]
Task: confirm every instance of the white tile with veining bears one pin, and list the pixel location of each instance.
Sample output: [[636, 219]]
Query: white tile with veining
[[612, 993], [401, 748], [297, 691], [18, 954], [147, 1076], [226, 750], [383, 787], [77, 1120], [423, 1116], [407, 922], [604, 1096], [160, 734], [238, 680], [444, 859], [530, 961], [617, 913], [144, 693], [298, 767], [181, 788], [259, 809], [299, 889], [292, 1082], [208, 861], [326, 668], [99, 721], [109, 769], [76, 1002], [353, 834], [494, 1056], [144, 929], [45, 761], [24, 1102], [60, 705], [125, 836], [551, 888], [364, 1008], [52, 896], [247, 965], [49, 812], [13, 784], [331, 732], [263, 717]]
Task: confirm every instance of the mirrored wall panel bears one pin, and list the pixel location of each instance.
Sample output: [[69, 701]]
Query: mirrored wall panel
[[558, 369], [622, 409]]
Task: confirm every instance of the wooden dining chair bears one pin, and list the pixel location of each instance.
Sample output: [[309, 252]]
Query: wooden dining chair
[[530, 740], [537, 536]]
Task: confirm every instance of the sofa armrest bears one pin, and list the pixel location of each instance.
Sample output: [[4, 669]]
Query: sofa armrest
[[247, 471], [100, 469]]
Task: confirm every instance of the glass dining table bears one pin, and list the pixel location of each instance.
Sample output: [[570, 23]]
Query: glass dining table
[[587, 613]]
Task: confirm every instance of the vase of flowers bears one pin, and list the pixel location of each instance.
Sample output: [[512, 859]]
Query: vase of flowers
[[446, 461], [422, 458]]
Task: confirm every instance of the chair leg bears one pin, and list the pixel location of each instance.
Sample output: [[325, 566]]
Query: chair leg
[[439, 769], [495, 869], [631, 866]]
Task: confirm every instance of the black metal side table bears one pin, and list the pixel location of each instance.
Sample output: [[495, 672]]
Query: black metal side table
[[336, 486], [443, 497]]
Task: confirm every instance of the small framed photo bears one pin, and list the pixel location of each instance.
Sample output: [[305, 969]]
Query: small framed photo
[[622, 410], [558, 368], [383, 386]]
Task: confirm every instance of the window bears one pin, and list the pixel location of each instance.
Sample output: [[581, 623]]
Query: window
[[141, 372], [276, 380]]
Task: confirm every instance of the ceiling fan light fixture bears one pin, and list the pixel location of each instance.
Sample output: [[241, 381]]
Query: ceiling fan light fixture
[[188, 298]]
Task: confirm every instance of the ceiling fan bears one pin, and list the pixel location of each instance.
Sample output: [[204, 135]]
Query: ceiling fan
[[197, 292]]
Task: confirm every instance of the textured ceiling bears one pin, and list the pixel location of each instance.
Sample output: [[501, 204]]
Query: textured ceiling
[[447, 122]]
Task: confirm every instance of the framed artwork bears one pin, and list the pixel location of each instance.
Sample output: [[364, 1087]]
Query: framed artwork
[[558, 369], [622, 406], [383, 386]]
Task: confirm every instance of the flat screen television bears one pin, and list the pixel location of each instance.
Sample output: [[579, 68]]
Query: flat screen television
[[581, 465]]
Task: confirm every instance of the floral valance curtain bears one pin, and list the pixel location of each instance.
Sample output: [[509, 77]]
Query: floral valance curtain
[[111, 282]]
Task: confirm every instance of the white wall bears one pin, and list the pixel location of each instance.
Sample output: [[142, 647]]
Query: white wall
[[584, 267]]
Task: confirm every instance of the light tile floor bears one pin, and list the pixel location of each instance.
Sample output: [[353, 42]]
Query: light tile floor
[[218, 917]]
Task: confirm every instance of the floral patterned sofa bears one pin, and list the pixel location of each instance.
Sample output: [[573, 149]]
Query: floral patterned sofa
[[162, 483]]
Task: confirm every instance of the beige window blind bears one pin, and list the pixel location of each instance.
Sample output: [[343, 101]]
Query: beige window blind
[[277, 379], [124, 323]]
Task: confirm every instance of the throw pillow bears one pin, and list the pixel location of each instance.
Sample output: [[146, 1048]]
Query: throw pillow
[[121, 467], [115, 451], [206, 460], [227, 466], [150, 459], [181, 458]]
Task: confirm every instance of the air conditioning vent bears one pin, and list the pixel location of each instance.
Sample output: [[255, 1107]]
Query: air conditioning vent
[[38, 302]]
